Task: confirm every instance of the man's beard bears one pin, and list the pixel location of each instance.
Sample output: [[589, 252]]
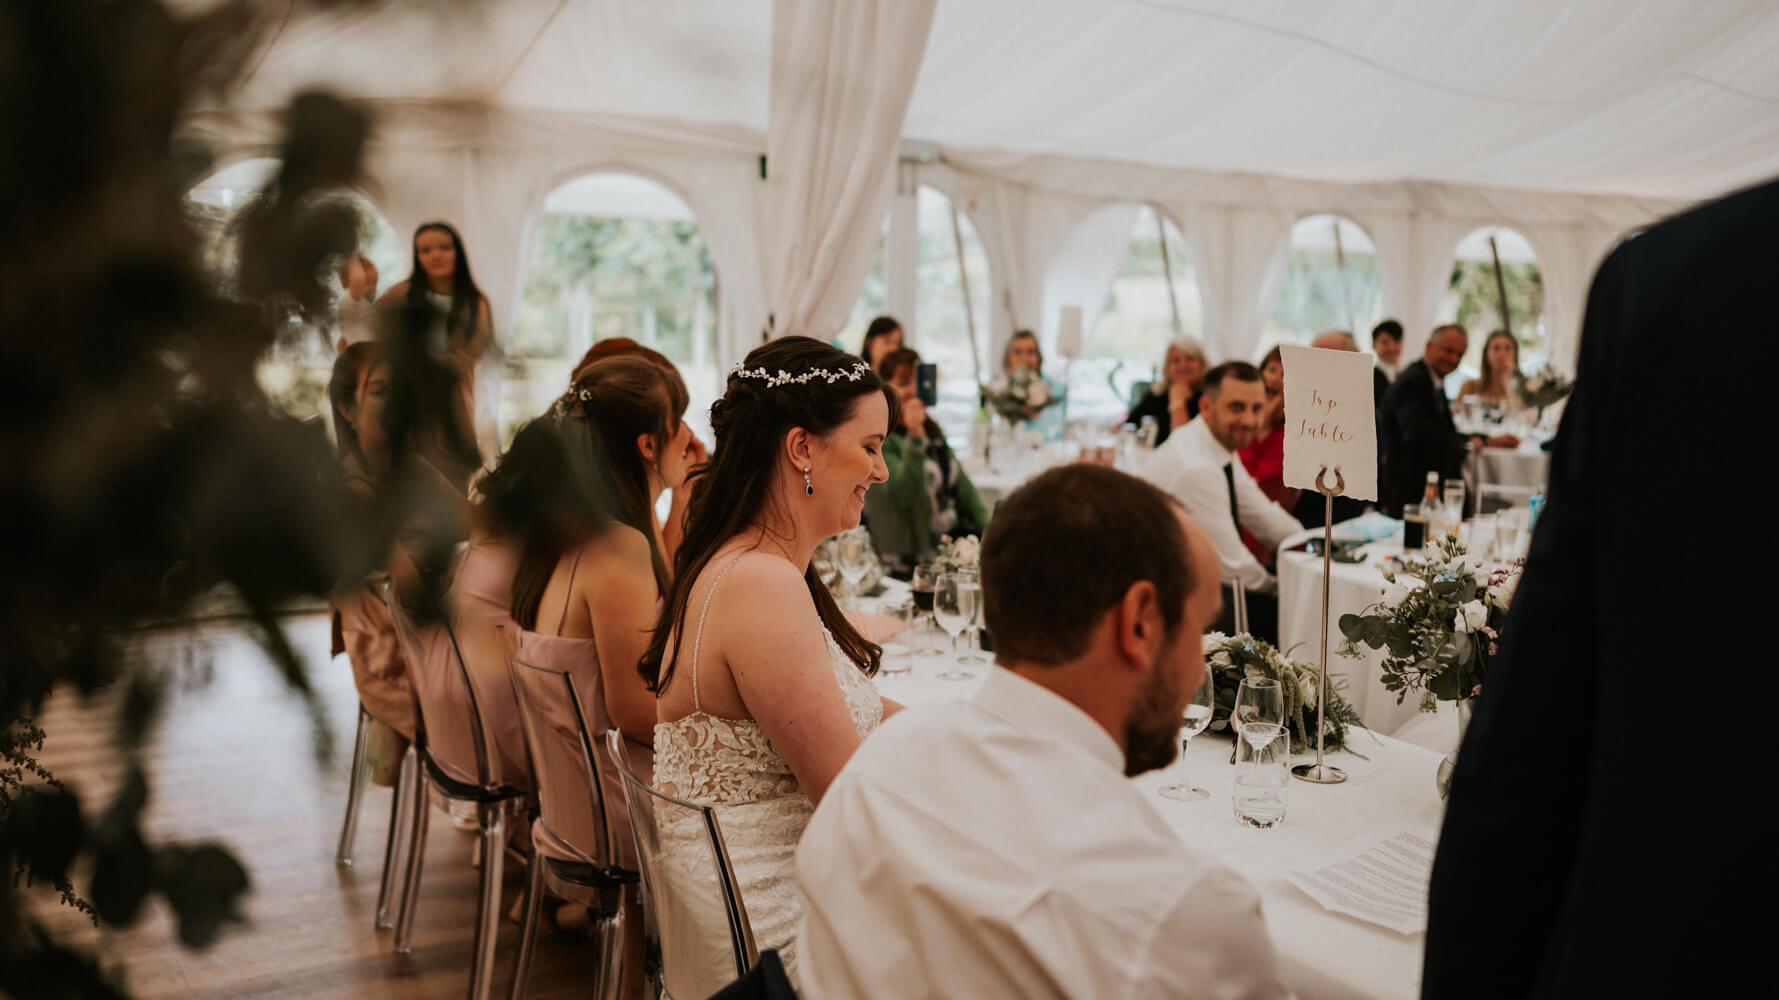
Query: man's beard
[[1152, 733]]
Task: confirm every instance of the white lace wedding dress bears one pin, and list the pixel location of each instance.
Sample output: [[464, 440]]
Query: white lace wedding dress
[[730, 764]]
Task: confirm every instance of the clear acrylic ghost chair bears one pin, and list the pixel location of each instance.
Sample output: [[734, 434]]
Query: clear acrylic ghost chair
[[694, 915], [354, 790], [573, 813], [438, 678], [1238, 603]]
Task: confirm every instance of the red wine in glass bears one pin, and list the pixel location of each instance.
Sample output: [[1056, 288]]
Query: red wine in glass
[[923, 598]]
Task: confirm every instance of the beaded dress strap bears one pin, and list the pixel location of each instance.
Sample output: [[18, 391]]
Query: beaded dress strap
[[698, 637]]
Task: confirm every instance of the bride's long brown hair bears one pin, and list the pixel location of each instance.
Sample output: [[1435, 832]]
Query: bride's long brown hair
[[734, 488]]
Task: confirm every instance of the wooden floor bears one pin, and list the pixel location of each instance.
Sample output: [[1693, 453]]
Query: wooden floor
[[233, 761]]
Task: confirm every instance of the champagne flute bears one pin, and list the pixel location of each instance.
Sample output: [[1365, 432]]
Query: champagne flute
[[954, 605], [1259, 699], [925, 584], [1198, 716], [972, 578]]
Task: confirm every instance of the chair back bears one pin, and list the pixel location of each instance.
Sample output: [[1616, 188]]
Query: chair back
[[694, 908], [1238, 603], [448, 714], [1493, 498], [566, 769]]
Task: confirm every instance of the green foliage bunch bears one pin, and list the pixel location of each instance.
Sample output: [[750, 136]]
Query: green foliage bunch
[[1233, 658]]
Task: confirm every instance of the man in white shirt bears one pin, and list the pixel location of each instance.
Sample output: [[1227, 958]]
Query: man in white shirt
[[1199, 466], [992, 848]]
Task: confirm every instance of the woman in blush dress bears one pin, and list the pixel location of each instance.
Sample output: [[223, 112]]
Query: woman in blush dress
[[763, 685]]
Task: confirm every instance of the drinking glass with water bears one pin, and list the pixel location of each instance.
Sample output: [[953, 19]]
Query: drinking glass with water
[[1262, 774]]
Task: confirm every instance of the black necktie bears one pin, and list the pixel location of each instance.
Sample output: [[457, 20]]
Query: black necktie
[[1229, 477]]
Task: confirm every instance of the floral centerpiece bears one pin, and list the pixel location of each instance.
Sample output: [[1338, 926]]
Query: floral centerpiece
[[1438, 623], [956, 554], [1020, 396], [1542, 388], [1232, 658]]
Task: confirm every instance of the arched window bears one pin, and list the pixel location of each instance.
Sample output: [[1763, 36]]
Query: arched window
[[1130, 337], [1331, 283], [941, 326], [1473, 299], [295, 371], [613, 255]]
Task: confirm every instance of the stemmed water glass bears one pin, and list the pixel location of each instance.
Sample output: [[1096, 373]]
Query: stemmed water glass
[[855, 561], [1198, 716], [1259, 699], [924, 584], [954, 607]]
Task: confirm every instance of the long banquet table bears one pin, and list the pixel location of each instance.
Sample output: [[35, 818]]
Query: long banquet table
[[1321, 953]]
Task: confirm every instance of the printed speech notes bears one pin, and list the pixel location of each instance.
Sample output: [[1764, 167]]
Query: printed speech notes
[[1329, 420]]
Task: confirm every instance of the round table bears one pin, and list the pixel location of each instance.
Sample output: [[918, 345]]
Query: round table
[[1321, 953]]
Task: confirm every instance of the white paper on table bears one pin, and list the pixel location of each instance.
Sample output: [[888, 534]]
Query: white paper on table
[[1382, 880], [1330, 421]]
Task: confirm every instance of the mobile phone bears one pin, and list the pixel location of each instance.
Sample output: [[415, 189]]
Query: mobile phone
[[926, 383]]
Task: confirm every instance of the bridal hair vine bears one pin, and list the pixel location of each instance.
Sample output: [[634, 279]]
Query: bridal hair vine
[[858, 371]]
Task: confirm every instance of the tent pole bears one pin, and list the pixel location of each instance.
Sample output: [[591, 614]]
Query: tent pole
[[1167, 271], [1500, 292], [963, 280], [1340, 266]]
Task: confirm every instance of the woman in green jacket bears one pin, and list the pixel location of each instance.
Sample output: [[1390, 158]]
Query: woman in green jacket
[[928, 493]]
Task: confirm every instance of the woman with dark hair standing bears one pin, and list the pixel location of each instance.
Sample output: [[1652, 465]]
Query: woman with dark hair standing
[[763, 685], [928, 493], [463, 326], [881, 337]]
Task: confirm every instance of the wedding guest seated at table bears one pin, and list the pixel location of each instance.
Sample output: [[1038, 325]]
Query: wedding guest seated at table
[[763, 686], [993, 848], [1199, 467], [881, 337], [1265, 457], [1416, 433], [670, 529], [357, 310], [928, 493], [1386, 348], [1023, 352], [1501, 365], [1174, 399]]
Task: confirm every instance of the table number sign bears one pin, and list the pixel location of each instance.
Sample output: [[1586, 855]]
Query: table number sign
[[1329, 420]]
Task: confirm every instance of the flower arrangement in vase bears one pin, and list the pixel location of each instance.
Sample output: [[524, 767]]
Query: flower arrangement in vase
[[1230, 658], [1019, 396]]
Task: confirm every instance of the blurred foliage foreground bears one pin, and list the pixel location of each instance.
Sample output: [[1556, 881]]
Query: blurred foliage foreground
[[145, 469]]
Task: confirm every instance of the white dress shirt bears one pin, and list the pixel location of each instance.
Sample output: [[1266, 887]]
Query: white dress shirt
[[994, 848], [1189, 465]]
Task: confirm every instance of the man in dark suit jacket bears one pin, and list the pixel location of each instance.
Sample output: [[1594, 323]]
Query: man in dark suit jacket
[[1386, 348], [1415, 428], [1602, 835]]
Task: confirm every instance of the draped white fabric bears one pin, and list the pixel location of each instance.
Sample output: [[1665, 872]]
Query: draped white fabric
[[1079, 271], [841, 78], [1240, 254]]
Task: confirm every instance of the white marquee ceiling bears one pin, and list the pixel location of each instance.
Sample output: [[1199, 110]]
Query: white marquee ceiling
[[1659, 98]]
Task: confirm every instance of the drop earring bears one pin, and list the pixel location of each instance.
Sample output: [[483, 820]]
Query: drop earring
[[808, 487]]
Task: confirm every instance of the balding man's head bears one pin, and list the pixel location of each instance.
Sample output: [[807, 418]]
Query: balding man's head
[[1335, 340]]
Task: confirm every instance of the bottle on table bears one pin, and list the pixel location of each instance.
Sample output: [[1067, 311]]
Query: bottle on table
[[1417, 519]]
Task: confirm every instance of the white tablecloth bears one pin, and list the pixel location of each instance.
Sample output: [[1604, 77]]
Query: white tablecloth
[[1321, 954], [1528, 466]]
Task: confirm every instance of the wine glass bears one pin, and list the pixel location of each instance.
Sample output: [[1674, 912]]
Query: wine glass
[[855, 561], [1259, 699], [1198, 716], [924, 585], [954, 606], [1453, 496], [972, 578]]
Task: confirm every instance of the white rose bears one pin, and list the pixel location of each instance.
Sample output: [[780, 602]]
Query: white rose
[[966, 549], [1395, 593], [1039, 394], [999, 386], [1215, 639], [1503, 594], [1470, 617]]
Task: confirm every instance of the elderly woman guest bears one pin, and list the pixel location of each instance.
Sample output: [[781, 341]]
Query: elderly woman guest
[[1173, 400], [1023, 352], [881, 337], [928, 493], [1500, 365]]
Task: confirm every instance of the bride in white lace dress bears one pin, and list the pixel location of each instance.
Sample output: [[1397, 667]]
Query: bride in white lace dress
[[762, 683]]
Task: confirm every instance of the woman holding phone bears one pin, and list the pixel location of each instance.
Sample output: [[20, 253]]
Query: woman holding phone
[[928, 493]]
